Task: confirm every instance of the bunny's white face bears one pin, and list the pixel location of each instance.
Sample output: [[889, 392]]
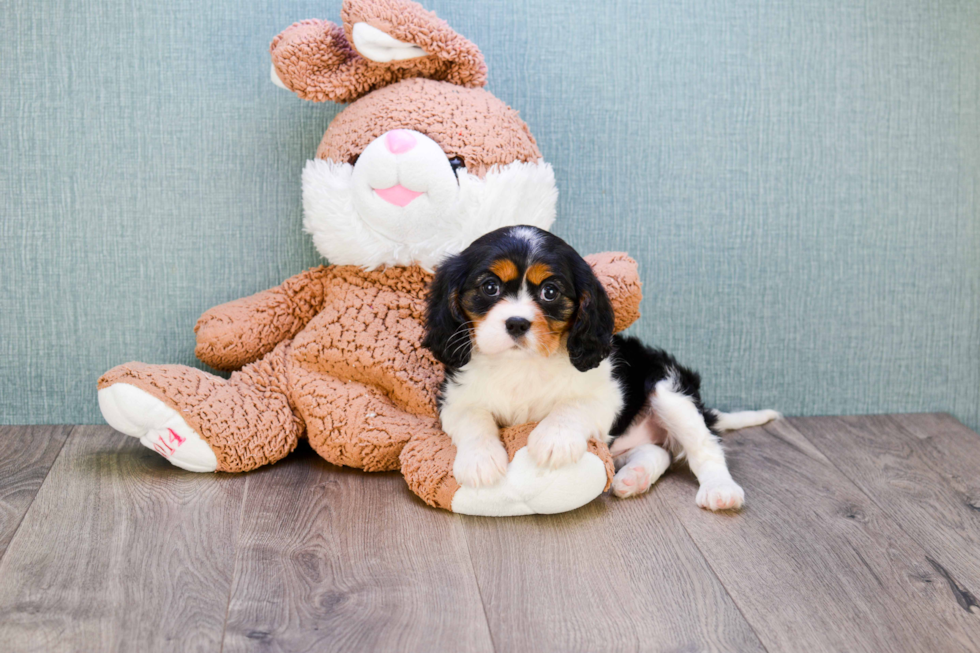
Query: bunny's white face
[[404, 202], [403, 184]]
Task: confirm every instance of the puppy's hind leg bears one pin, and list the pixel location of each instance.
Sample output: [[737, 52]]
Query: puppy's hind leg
[[639, 460], [686, 428], [639, 468]]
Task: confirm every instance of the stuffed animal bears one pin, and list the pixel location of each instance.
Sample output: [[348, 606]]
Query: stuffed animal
[[421, 163]]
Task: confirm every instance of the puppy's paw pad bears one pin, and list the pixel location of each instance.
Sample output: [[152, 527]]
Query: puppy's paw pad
[[480, 466], [721, 495], [630, 481]]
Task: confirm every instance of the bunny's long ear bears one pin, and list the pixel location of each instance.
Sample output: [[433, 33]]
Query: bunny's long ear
[[380, 43]]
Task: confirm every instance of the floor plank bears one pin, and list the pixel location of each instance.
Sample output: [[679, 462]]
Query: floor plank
[[812, 562], [612, 576], [26, 455], [334, 559], [120, 551], [924, 472]]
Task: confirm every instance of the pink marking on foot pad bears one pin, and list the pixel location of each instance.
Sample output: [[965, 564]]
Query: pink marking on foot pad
[[168, 447], [397, 195]]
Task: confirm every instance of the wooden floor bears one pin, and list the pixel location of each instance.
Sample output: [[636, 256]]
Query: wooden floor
[[859, 534]]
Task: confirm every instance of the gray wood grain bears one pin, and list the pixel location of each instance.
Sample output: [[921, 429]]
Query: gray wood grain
[[812, 562], [26, 455], [120, 551], [613, 576], [334, 559], [924, 471]]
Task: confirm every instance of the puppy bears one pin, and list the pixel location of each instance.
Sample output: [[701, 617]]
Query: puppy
[[525, 331]]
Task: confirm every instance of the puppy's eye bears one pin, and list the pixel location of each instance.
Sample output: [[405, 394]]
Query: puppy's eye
[[491, 288], [456, 163], [549, 292]]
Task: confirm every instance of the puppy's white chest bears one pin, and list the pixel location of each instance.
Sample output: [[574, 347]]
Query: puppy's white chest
[[519, 389]]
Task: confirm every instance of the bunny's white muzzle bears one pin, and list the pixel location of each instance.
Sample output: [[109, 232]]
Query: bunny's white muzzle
[[403, 183]]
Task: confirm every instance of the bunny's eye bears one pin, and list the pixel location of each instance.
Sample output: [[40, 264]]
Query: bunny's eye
[[456, 163]]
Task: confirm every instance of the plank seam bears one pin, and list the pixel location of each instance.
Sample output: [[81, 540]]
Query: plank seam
[[476, 580], [235, 570], [34, 498], [714, 573]]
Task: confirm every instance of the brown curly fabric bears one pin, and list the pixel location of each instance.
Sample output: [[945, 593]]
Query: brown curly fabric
[[247, 420], [619, 275], [317, 60], [232, 335], [466, 122]]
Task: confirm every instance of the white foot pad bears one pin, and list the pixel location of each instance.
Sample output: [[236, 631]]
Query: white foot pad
[[720, 495], [528, 489], [158, 426]]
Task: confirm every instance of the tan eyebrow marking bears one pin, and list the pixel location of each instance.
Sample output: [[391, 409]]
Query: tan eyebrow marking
[[504, 269], [538, 273]]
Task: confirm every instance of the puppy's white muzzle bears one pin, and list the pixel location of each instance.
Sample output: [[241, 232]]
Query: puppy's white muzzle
[[501, 328]]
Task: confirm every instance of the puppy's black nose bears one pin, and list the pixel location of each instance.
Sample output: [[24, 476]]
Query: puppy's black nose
[[517, 326]]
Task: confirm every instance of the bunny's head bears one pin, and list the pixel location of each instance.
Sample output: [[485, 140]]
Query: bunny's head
[[424, 160]]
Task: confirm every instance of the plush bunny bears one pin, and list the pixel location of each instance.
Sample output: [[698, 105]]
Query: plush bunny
[[421, 163]]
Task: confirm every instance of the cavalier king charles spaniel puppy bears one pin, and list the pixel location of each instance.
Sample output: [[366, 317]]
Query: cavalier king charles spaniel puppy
[[525, 331]]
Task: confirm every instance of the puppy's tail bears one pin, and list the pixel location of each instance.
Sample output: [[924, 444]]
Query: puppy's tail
[[742, 419]]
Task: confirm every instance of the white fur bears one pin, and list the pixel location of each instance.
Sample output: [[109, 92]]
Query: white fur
[[529, 235], [351, 225], [743, 419], [518, 386], [378, 46]]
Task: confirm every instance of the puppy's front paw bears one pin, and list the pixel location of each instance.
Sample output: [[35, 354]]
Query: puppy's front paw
[[480, 465], [554, 447], [721, 495]]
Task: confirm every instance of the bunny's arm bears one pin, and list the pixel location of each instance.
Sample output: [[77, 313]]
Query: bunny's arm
[[620, 276], [234, 334], [381, 42]]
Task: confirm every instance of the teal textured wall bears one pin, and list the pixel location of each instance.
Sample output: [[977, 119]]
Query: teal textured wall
[[800, 182]]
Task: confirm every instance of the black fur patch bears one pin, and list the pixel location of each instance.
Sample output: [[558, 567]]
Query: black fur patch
[[639, 368]]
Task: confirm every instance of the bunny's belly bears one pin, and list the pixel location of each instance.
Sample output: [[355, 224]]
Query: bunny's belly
[[372, 334]]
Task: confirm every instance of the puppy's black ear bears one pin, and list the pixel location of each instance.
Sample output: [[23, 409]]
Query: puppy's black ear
[[446, 333], [590, 336]]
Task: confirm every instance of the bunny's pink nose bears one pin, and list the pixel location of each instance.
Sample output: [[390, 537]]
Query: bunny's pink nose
[[399, 141]]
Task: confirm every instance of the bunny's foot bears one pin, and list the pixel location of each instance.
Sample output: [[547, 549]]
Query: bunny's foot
[[159, 427]]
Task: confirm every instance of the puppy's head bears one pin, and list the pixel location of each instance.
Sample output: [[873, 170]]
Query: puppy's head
[[518, 289]]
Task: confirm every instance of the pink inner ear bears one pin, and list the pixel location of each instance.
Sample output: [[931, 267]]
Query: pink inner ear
[[397, 195]]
